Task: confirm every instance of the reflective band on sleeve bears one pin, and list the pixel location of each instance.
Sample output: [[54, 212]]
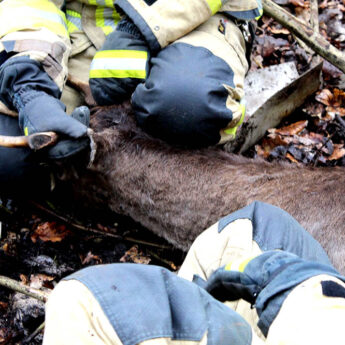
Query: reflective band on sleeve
[[261, 13], [215, 5], [107, 19], [233, 130], [73, 21], [30, 15], [119, 64], [103, 3], [237, 265]]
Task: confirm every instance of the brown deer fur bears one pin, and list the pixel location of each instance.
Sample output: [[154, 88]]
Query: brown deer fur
[[177, 193]]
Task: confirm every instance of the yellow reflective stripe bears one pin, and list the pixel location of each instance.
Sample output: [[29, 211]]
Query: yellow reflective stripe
[[233, 130], [32, 14], [106, 18], [109, 3], [106, 73], [215, 5], [73, 13], [238, 266], [73, 21], [260, 15], [103, 3], [132, 54], [99, 17], [71, 27], [26, 131], [107, 30], [119, 64]]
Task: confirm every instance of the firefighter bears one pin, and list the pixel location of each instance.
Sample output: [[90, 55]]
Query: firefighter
[[277, 278], [182, 63]]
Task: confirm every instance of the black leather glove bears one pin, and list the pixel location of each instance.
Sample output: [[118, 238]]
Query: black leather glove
[[26, 87], [120, 65], [264, 281]]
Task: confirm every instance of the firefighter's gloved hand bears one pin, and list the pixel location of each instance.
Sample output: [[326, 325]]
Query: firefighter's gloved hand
[[264, 281], [120, 65], [231, 282], [40, 112], [69, 147]]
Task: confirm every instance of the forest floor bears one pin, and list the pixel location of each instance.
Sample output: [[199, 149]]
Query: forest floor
[[40, 243]]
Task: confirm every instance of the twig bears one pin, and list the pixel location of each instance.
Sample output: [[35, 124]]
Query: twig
[[314, 15], [33, 335], [26, 290], [167, 262], [96, 231], [318, 152], [313, 39]]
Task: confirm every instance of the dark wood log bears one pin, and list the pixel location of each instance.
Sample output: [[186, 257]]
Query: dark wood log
[[177, 193]]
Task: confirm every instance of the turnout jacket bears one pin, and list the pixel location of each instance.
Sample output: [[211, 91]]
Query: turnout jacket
[[203, 61], [51, 31]]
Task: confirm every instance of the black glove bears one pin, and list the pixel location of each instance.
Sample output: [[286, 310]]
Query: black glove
[[25, 86], [264, 281], [69, 147], [120, 65], [39, 112]]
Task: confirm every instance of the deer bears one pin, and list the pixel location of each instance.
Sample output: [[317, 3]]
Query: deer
[[177, 193]]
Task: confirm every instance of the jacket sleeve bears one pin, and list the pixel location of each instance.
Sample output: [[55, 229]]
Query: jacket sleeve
[[164, 21], [36, 29]]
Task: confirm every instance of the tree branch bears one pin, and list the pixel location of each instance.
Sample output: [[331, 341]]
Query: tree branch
[[26, 290], [311, 37]]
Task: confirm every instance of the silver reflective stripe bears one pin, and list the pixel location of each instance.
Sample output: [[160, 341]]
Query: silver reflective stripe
[[118, 64], [54, 17], [75, 20], [108, 17]]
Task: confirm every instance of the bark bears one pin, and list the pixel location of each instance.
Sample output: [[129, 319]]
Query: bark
[[308, 35], [26, 290]]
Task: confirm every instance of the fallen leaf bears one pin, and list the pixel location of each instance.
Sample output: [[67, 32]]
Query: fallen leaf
[[261, 152], [292, 129], [339, 152], [324, 96], [50, 231], [291, 158], [38, 280], [278, 31], [299, 3], [3, 305], [89, 257], [24, 279], [136, 256]]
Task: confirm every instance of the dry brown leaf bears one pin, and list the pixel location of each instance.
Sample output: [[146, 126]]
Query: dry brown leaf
[[50, 231], [339, 152], [278, 140], [38, 280], [24, 279], [3, 305], [261, 152], [291, 158], [324, 96], [335, 101], [136, 256], [89, 257], [278, 30], [292, 129], [299, 3]]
